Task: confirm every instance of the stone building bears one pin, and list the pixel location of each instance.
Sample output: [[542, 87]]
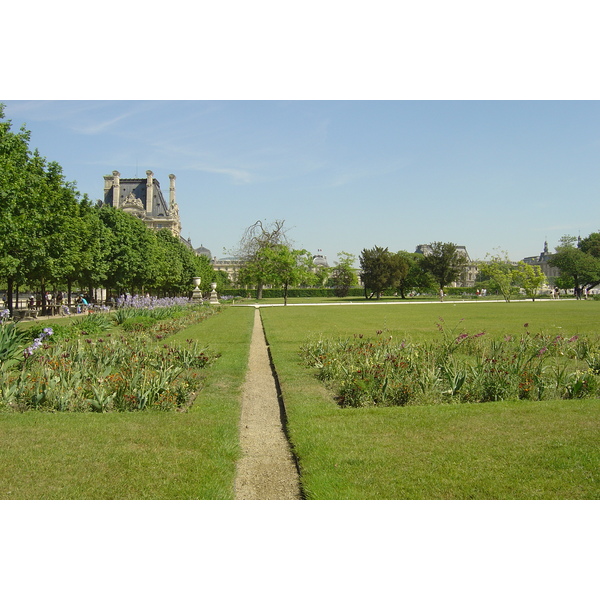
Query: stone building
[[144, 199], [542, 261], [231, 265]]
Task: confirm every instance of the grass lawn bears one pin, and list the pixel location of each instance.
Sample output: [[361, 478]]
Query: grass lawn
[[145, 455], [508, 450]]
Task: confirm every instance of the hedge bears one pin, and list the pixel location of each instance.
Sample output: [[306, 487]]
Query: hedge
[[292, 293]]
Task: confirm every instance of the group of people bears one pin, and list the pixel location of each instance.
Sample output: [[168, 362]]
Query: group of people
[[59, 302], [579, 292]]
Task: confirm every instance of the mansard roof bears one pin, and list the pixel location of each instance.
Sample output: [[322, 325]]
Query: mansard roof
[[137, 187]]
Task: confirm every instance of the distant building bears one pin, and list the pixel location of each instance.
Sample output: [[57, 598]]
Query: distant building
[[202, 251], [319, 260], [542, 261], [144, 199], [468, 276], [230, 265]]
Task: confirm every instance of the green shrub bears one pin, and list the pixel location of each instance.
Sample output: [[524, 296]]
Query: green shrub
[[92, 324], [61, 332], [12, 340], [140, 323], [292, 293]]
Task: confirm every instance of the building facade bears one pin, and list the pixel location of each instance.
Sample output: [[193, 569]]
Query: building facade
[[144, 199], [542, 261]]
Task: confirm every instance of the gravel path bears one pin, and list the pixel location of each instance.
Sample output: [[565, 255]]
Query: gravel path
[[267, 470]]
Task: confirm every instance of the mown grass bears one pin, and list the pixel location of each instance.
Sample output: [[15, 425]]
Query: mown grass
[[144, 455], [505, 450]]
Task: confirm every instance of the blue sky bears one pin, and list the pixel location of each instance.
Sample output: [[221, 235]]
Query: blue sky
[[344, 175]]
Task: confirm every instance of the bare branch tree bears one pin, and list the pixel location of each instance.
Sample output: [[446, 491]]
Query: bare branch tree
[[256, 239]]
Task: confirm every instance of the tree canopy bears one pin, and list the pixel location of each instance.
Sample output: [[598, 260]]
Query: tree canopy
[[444, 262], [381, 269], [343, 275], [501, 272], [50, 236], [579, 261]]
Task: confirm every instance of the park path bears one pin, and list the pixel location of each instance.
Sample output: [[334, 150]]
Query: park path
[[266, 470]]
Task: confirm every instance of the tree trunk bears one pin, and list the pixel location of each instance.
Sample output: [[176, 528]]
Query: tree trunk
[[43, 294]]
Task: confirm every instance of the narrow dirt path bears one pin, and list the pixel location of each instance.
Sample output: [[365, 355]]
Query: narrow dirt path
[[267, 470]]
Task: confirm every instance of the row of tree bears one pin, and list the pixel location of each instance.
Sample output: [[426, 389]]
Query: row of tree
[[269, 259], [52, 238], [405, 271], [577, 259]]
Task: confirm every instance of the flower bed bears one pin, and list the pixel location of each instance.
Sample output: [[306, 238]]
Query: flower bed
[[86, 366], [458, 368]]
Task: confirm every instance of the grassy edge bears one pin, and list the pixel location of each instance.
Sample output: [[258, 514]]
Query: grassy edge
[[342, 453], [147, 455]]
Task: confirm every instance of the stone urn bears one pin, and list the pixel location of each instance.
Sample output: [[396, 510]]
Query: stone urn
[[196, 293], [214, 299]]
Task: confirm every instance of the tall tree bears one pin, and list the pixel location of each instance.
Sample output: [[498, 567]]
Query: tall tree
[[15, 183], [381, 270], [285, 267], [416, 278], [531, 279], [129, 245], [343, 275], [501, 272], [445, 263], [39, 212], [572, 261], [255, 240], [168, 259]]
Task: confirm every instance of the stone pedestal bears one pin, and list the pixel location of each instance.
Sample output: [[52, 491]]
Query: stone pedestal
[[214, 299], [196, 293]]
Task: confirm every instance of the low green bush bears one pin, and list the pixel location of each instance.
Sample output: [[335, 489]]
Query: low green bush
[[140, 323], [92, 324], [292, 293]]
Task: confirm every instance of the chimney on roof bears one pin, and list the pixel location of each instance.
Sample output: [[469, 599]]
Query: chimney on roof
[[172, 201], [149, 192]]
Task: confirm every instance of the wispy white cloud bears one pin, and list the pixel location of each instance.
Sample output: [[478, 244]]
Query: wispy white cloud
[[86, 118], [348, 174], [237, 175]]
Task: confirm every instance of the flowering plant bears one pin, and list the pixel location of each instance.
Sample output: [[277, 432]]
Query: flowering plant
[[83, 370], [38, 342], [457, 368]]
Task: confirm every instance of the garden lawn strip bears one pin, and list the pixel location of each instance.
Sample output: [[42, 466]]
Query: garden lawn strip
[[137, 455], [495, 450]]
